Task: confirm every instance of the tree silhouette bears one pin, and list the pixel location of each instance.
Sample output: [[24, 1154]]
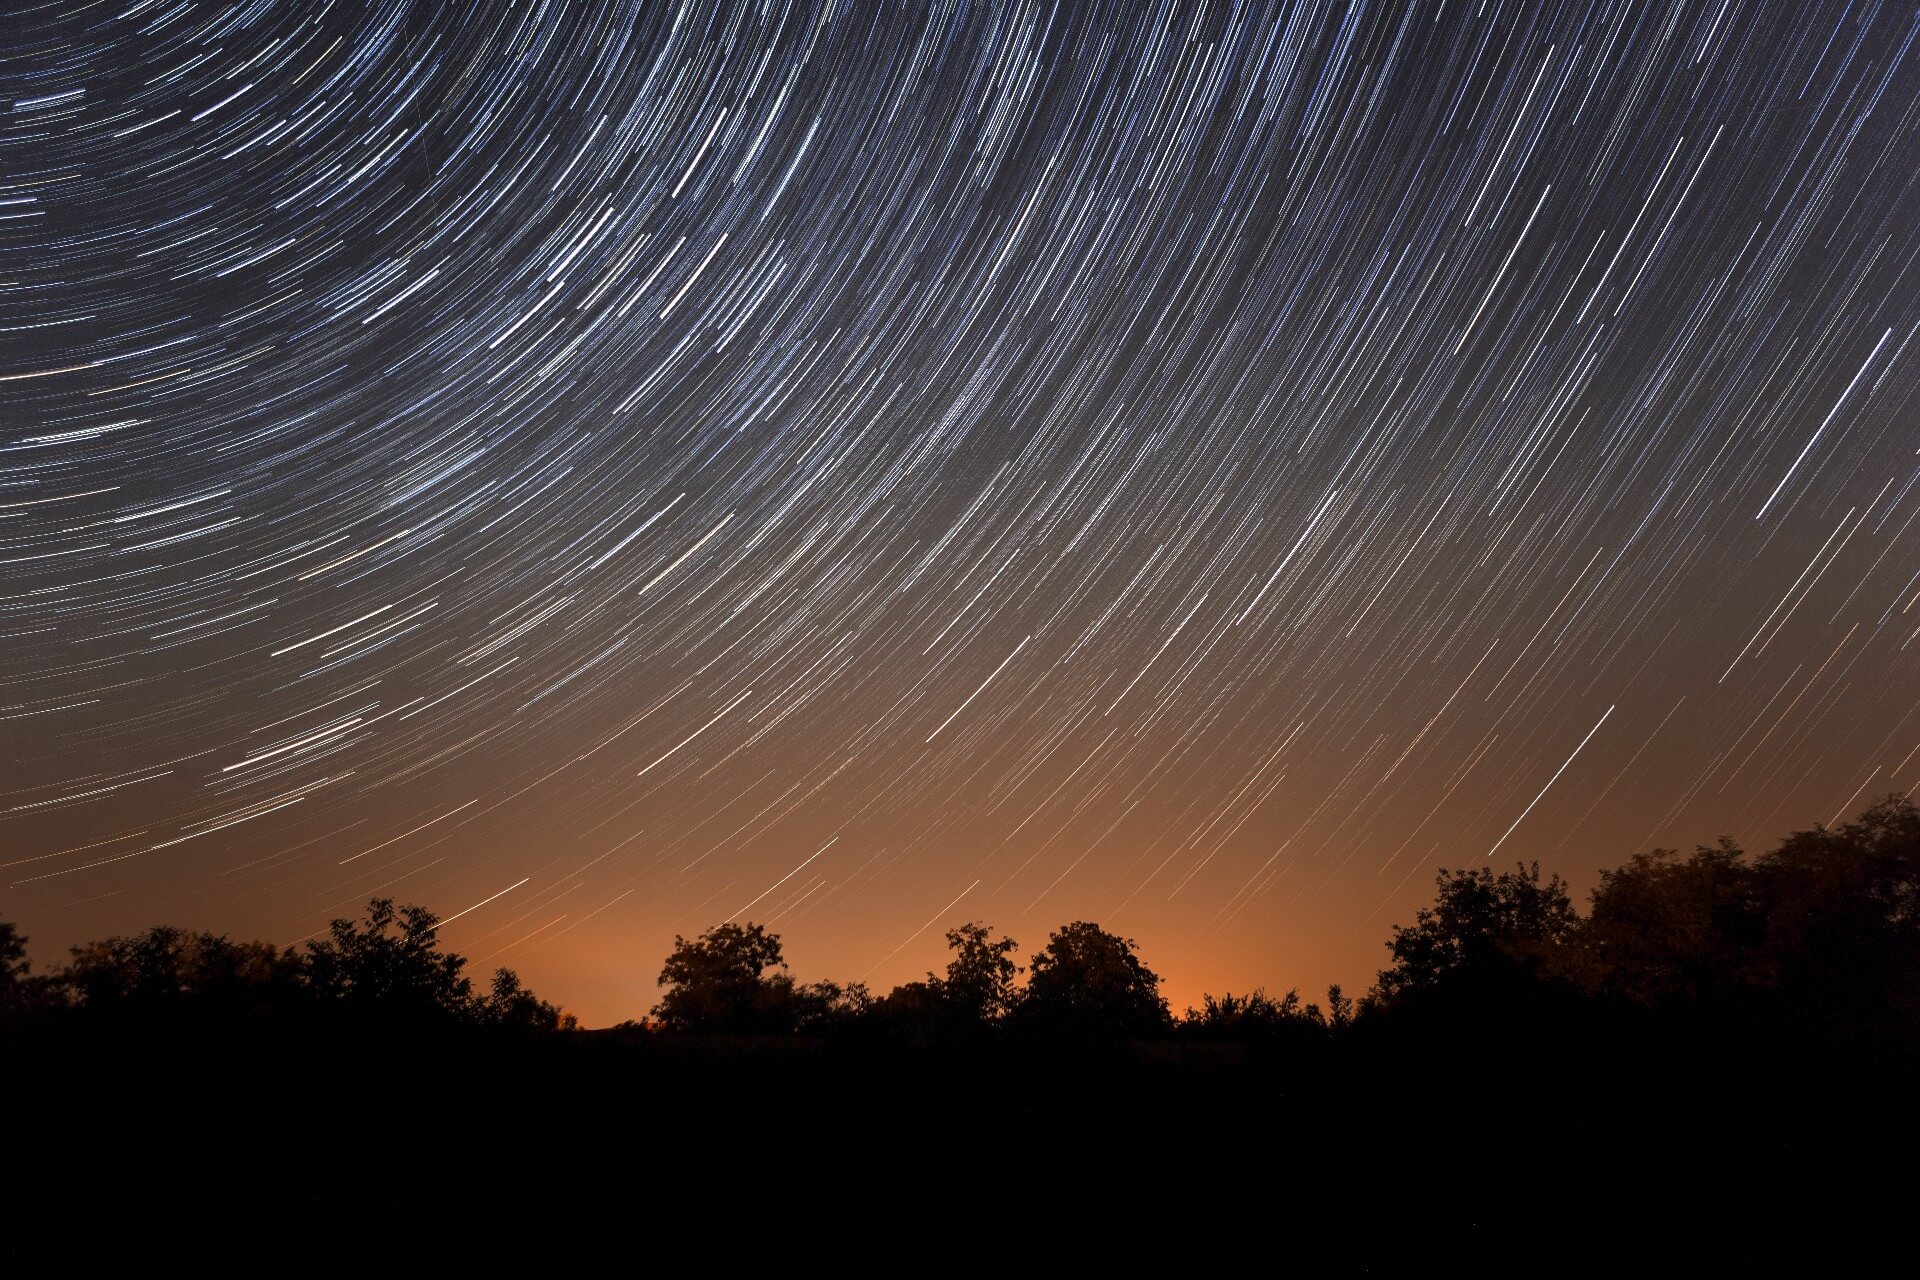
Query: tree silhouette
[[1818, 937], [1700, 1001], [1339, 1007], [726, 981], [18, 988], [916, 1013], [1814, 946], [1483, 931], [979, 982], [509, 1006], [976, 992], [1843, 916], [14, 965], [825, 1005], [390, 970], [1091, 983], [173, 980], [1664, 929]]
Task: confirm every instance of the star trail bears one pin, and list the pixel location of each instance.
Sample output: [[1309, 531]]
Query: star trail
[[601, 469]]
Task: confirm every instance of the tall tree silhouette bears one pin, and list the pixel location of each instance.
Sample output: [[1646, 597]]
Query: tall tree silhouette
[[979, 985]]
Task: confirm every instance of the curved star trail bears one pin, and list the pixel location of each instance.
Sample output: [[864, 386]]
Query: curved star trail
[[606, 468]]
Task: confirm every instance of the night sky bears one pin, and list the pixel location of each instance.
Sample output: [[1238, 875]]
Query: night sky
[[599, 470]]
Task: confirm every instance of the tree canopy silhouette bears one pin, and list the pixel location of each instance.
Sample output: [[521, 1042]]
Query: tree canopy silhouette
[[509, 1006], [723, 981], [731, 980], [979, 982], [1713, 1006], [169, 977], [1485, 931], [386, 972], [1815, 942], [1826, 926], [390, 968], [1663, 929], [1088, 982], [976, 992]]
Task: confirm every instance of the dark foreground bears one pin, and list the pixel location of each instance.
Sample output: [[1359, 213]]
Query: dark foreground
[[602, 1147], [1710, 1072]]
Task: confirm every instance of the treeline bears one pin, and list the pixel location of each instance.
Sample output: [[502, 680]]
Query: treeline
[[1812, 946], [386, 973]]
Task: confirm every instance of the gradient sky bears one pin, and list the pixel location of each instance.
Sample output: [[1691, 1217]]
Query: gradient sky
[[599, 470]]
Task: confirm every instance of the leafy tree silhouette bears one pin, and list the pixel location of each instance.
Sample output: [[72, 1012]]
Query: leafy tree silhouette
[[390, 971], [1663, 930], [976, 993], [979, 986], [19, 990], [386, 972], [1088, 983], [14, 965], [509, 1006], [1843, 918], [1339, 1008], [828, 1005], [731, 980], [1483, 930], [172, 980]]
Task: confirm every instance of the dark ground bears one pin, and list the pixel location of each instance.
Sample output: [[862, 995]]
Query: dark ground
[[601, 1146]]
